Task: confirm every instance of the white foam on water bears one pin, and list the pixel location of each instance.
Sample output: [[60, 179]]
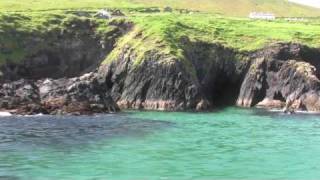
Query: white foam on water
[[35, 115], [4, 114], [295, 112]]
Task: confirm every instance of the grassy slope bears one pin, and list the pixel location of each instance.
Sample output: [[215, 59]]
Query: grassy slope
[[239, 33], [238, 7], [161, 31], [42, 5], [225, 7], [164, 31], [17, 29]]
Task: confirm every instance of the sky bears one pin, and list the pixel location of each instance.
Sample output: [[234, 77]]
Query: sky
[[315, 3]]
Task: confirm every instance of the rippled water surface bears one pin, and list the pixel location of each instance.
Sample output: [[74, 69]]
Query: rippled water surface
[[227, 144]]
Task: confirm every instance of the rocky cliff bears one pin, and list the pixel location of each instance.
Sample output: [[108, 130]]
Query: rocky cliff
[[283, 76], [79, 71], [51, 71], [68, 47], [207, 77]]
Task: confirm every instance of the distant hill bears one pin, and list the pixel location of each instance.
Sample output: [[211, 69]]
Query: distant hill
[[239, 7], [224, 7]]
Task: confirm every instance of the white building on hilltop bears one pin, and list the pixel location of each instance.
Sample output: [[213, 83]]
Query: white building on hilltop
[[261, 15]]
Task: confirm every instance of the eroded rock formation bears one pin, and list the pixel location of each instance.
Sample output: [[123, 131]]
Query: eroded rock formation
[[283, 76], [208, 75]]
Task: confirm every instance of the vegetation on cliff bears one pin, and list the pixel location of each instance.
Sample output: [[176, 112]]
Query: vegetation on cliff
[[20, 20], [18, 29], [225, 7], [162, 31], [148, 59]]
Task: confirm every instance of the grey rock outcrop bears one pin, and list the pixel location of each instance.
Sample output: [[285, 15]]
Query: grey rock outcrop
[[208, 77], [59, 53], [81, 95], [273, 82], [21, 96], [155, 84]]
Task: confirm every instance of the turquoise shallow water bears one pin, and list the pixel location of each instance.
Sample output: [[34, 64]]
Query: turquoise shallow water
[[228, 144]]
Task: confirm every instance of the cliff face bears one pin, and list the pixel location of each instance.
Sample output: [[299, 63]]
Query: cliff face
[[209, 76], [67, 51], [283, 76], [56, 75], [157, 83], [219, 71], [204, 75]]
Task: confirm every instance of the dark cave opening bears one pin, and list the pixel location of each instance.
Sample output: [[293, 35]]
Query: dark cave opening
[[225, 93], [260, 95], [278, 96], [222, 91]]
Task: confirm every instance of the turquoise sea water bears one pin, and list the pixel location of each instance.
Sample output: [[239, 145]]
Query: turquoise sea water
[[228, 144]]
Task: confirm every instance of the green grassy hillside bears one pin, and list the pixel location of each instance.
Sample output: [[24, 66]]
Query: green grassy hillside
[[225, 7], [239, 7], [20, 20], [161, 31], [164, 33]]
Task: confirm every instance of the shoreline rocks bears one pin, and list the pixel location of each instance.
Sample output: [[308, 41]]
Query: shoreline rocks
[[282, 76], [285, 77], [75, 96]]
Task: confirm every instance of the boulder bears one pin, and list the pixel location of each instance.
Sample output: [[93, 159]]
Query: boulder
[[21, 97], [82, 95], [167, 9], [310, 101], [271, 103]]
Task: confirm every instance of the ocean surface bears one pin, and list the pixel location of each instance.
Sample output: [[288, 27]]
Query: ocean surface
[[228, 144]]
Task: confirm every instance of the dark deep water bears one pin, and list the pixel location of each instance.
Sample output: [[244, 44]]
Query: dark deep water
[[229, 144]]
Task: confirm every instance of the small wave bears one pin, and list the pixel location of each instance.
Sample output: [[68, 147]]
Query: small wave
[[40, 114], [274, 110], [295, 112]]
